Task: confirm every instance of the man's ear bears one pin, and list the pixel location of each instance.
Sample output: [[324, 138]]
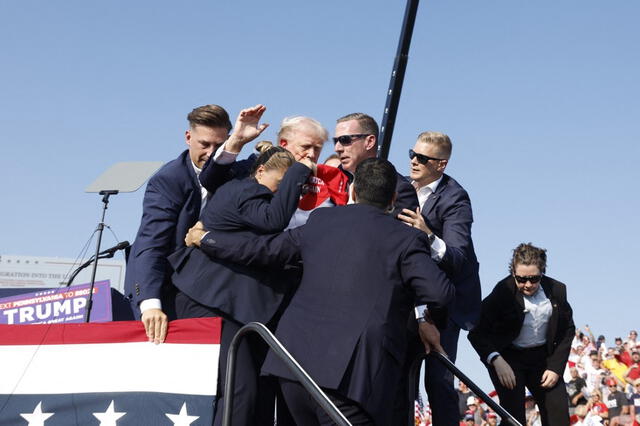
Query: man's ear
[[187, 137], [442, 165], [370, 143], [283, 143]]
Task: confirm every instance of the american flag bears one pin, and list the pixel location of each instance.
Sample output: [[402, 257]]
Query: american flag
[[108, 374], [420, 412]]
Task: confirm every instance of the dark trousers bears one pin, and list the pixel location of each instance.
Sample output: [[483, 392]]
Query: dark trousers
[[253, 401], [443, 397], [306, 411], [438, 381], [528, 365]]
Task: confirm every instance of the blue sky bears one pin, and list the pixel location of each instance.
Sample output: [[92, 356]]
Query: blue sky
[[541, 100]]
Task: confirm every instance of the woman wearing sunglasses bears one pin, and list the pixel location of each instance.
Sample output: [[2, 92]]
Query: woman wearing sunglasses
[[524, 337]]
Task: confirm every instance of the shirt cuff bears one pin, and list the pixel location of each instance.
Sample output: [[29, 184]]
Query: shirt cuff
[[438, 248], [224, 157], [150, 304], [419, 310], [492, 356]]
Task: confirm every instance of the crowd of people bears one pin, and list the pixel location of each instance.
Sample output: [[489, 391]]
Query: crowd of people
[[602, 381]]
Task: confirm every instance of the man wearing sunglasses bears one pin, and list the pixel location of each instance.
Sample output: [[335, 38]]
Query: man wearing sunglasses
[[445, 215], [355, 140], [524, 337]]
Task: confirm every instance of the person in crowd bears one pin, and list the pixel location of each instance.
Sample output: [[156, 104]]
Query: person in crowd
[[172, 203], [633, 373], [612, 363], [469, 419], [596, 406], [594, 374], [491, 419], [524, 337], [632, 339], [531, 411], [576, 389], [634, 400], [260, 204], [445, 216], [474, 406], [463, 396], [355, 140], [345, 323], [617, 402]]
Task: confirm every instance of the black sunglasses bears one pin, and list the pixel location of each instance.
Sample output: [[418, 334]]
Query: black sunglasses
[[422, 159], [533, 279], [346, 140]]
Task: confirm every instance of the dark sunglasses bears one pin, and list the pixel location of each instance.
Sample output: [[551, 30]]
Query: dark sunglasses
[[533, 279], [346, 140], [422, 159]]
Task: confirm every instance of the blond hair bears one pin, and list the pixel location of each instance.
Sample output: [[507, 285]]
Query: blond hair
[[272, 157]]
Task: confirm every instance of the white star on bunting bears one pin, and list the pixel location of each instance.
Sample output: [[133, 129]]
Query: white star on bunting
[[182, 419], [109, 417], [36, 418]]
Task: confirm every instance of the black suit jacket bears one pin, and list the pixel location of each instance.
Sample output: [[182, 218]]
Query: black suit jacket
[[171, 206], [447, 212], [243, 209], [363, 273], [503, 314]]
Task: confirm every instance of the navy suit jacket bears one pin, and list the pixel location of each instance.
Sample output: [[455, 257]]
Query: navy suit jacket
[[447, 213], [242, 209], [363, 273], [171, 206]]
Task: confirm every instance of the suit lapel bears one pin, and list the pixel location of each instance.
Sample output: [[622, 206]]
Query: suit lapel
[[196, 195], [433, 198]]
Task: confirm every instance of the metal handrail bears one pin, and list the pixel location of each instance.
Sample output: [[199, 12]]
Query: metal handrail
[[415, 370], [277, 348]]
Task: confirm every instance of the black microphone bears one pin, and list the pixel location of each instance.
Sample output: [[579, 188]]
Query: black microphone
[[110, 251]]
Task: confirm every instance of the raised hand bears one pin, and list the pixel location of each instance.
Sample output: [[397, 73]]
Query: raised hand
[[247, 128]]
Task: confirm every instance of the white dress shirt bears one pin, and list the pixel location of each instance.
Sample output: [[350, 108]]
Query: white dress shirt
[[438, 246], [537, 311]]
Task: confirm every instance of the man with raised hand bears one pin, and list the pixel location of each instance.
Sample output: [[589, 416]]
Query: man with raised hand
[[172, 203]]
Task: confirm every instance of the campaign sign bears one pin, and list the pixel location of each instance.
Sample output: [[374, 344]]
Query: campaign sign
[[60, 305]]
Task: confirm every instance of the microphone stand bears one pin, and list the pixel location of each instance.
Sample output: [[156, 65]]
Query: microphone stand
[[84, 265], [105, 200]]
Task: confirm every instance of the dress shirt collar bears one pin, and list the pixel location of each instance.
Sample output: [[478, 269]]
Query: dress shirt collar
[[429, 188]]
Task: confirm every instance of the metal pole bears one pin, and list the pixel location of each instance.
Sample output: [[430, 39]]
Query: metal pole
[[397, 78], [105, 200]]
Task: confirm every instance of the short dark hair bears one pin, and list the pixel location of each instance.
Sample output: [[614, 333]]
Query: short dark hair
[[367, 123], [375, 182], [528, 254], [209, 116]]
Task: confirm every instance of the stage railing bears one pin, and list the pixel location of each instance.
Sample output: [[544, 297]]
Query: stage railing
[[438, 357], [277, 348]]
